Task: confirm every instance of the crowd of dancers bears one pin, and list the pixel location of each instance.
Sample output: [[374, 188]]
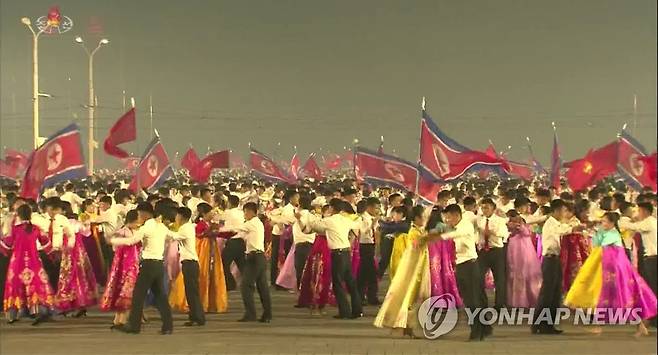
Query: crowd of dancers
[[331, 243]]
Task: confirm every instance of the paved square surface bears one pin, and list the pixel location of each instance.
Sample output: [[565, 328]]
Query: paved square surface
[[296, 331]]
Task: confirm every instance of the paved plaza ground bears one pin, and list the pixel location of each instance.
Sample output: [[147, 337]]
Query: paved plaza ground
[[296, 331]]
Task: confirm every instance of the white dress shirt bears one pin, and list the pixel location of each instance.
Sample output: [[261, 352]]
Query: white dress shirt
[[505, 207], [253, 233], [533, 218], [61, 225], [232, 217], [647, 229], [367, 227], [498, 232], [469, 216], [153, 235], [551, 233], [298, 234], [192, 203], [337, 229], [73, 199], [465, 238], [109, 221], [281, 217], [187, 245]]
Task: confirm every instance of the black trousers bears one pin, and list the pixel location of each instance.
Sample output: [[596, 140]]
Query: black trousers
[[341, 274], [385, 251], [150, 277], [274, 259], [255, 277], [649, 273], [495, 260], [550, 294], [302, 250], [52, 269], [190, 269], [471, 287], [233, 252], [367, 278], [4, 266]]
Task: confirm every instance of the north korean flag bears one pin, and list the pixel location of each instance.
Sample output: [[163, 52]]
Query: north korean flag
[[444, 158], [629, 162], [153, 169], [428, 186], [385, 169], [7, 170], [59, 159], [311, 168], [262, 165]]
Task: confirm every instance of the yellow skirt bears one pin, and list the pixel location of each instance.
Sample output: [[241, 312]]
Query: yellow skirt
[[400, 244], [212, 285], [586, 287], [177, 299]]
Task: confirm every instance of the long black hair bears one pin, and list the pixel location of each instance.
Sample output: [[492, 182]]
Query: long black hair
[[614, 218], [24, 212], [202, 209]]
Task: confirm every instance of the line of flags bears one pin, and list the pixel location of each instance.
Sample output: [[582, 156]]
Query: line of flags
[[441, 160]]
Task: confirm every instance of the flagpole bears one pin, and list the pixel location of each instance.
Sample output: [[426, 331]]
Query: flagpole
[[151, 113], [422, 110]]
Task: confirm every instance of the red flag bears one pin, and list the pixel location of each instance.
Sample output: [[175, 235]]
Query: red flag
[[595, 166], [650, 166], [311, 168], [131, 163], [382, 168], [556, 163], [153, 169], [266, 167], [523, 171], [190, 160], [629, 162], [428, 186], [8, 170], [294, 166], [237, 162], [446, 159], [58, 159], [16, 158], [491, 151], [333, 162], [123, 131], [218, 160]]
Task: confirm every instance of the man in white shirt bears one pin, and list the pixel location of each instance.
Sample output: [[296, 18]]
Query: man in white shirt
[[470, 209], [337, 228], [281, 218], [194, 200], [367, 278], [234, 249], [55, 226], [255, 269], [467, 271], [522, 206], [550, 294], [506, 201], [153, 235], [190, 267], [303, 241], [72, 198], [493, 236], [646, 226]]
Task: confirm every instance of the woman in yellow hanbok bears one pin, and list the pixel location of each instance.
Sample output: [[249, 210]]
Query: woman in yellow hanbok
[[411, 284], [212, 285]]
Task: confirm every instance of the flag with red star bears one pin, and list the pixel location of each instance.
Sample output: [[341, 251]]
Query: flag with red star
[[59, 159], [311, 168], [218, 160], [384, 169], [594, 167], [262, 165], [153, 169]]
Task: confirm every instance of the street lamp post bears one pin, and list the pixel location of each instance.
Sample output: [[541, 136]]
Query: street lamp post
[[92, 104], [35, 78]]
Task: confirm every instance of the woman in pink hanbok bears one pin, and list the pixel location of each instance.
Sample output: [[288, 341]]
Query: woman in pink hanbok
[[77, 287], [123, 274], [27, 289], [523, 267]]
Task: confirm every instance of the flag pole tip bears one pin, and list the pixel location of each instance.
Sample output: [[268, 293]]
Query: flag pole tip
[[132, 102]]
